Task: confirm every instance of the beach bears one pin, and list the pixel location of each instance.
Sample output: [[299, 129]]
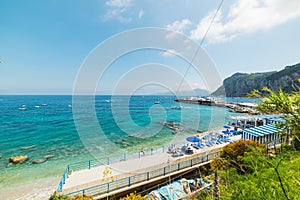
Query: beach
[[50, 130]]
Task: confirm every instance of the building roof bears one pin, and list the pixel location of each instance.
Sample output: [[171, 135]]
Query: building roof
[[262, 130]]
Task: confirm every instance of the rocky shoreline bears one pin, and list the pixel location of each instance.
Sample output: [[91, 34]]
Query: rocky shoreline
[[24, 158]]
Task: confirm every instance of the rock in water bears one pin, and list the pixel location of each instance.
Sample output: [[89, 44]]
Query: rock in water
[[9, 164], [38, 161], [18, 159], [28, 147], [48, 156]]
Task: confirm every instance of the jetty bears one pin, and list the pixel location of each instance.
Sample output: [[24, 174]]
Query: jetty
[[239, 107], [207, 101], [116, 176]]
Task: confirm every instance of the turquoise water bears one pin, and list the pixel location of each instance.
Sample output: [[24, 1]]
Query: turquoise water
[[125, 124]]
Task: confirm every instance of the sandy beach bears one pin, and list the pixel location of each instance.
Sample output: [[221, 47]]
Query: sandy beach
[[39, 190]]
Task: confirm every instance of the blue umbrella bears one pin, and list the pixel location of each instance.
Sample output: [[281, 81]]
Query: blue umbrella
[[233, 131], [226, 132], [226, 126], [193, 139]]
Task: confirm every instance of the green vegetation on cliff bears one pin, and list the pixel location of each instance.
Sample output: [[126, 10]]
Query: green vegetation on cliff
[[240, 84], [248, 171], [264, 176]]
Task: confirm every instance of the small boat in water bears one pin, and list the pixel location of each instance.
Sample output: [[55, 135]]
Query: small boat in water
[[23, 108], [157, 102], [177, 107], [107, 100], [173, 126], [37, 106], [44, 104]]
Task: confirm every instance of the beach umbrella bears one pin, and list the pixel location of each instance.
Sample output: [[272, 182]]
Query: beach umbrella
[[193, 139], [233, 131], [226, 132], [226, 126]]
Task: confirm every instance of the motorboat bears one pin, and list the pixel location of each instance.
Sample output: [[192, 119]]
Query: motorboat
[[173, 126], [177, 107]]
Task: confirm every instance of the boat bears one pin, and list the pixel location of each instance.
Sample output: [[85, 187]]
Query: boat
[[23, 108], [205, 101], [180, 189], [37, 106], [177, 107], [157, 102], [107, 100], [44, 104], [173, 126]]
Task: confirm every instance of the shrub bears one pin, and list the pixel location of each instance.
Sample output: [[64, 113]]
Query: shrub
[[133, 196]]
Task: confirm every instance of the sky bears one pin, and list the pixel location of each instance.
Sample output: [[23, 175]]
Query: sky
[[43, 44]]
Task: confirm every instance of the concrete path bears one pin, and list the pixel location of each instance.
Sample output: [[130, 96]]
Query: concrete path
[[89, 177]]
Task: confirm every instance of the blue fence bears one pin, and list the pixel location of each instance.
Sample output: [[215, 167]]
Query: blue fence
[[109, 160], [141, 177]]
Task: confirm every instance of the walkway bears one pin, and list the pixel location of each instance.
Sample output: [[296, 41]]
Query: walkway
[[86, 178]]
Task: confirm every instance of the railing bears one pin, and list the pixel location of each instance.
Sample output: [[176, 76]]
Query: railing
[[144, 176], [274, 143], [63, 178], [114, 159]]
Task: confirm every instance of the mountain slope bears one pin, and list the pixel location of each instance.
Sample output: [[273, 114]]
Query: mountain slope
[[239, 84]]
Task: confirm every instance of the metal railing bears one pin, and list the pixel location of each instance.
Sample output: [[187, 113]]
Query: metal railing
[[144, 176], [114, 159], [63, 178]]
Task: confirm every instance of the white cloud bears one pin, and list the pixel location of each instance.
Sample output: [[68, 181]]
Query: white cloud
[[179, 26], [246, 16], [117, 10], [118, 3], [118, 14], [141, 14], [169, 53]]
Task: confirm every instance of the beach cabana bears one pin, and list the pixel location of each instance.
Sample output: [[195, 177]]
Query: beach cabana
[[261, 134]]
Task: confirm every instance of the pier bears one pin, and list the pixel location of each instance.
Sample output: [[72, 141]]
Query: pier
[[240, 107], [106, 178]]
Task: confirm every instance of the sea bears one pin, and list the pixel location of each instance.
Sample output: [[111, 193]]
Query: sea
[[67, 130]]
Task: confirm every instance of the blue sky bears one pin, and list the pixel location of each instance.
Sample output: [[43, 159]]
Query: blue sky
[[44, 43]]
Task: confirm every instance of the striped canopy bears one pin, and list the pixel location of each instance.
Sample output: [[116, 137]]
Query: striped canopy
[[262, 130]]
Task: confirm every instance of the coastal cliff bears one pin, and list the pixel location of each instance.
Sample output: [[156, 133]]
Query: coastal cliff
[[240, 84]]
